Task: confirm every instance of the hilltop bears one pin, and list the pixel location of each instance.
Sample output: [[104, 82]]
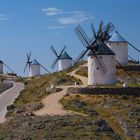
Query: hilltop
[[106, 117]]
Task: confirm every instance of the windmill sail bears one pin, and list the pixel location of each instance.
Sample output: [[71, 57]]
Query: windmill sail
[[28, 62], [42, 66], [8, 67], [57, 55], [89, 44]]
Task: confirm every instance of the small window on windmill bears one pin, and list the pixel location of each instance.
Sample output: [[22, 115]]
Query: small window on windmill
[[100, 57], [97, 68], [118, 44]]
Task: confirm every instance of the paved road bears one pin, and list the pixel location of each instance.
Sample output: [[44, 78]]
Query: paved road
[[7, 98]]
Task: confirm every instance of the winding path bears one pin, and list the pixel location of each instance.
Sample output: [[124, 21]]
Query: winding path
[[51, 102], [8, 97], [52, 105]]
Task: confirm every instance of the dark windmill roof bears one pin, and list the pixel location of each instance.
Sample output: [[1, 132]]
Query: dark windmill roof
[[116, 37], [65, 56], [101, 49], [35, 62], [1, 61]]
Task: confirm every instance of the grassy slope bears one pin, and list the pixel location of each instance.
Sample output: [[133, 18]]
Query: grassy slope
[[36, 89], [27, 126], [111, 108], [96, 108], [54, 128]]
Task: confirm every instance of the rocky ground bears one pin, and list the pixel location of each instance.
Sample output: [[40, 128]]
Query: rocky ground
[[122, 113], [57, 128]]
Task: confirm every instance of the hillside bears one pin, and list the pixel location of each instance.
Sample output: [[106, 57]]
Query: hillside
[[106, 117]]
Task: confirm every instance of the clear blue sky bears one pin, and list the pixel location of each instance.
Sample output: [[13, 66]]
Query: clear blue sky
[[34, 25]]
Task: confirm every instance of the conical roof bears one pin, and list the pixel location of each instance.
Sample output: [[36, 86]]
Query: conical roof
[[116, 37], [65, 56], [101, 49], [35, 62]]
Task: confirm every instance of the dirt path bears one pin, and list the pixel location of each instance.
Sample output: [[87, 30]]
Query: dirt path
[[51, 102], [7, 98], [82, 78], [52, 105]]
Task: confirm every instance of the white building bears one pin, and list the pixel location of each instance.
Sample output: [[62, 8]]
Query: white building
[[34, 69], [97, 75], [64, 62], [1, 67], [120, 47]]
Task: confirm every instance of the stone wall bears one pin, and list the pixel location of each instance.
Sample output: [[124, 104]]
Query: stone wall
[[131, 67], [100, 91]]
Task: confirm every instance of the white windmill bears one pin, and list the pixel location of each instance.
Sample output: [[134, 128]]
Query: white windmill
[[105, 72], [120, 47], [63, 59], [34, 66], [101, 59]]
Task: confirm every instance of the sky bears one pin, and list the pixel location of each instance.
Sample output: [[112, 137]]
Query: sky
[[35, 25]]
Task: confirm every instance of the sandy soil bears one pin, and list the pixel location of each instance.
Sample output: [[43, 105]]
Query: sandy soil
[[51, 102]]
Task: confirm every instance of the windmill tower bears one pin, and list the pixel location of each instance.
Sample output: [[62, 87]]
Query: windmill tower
[[101, 59], [63, 59], [105, 72], [34, 69], [34, 66], [120, 47]]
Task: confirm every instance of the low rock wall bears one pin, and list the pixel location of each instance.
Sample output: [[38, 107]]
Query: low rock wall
[[100, 91], [130, 67]]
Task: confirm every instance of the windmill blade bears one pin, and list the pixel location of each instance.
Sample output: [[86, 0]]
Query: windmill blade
[[54, 51], [73, 61], [82, 54], [28, 57], [45, 68], [100, 28], [82, 36], [93, 30], [8, 67], [25, 67], [62, 50], [109, 28], [54, 63], [100, 65], [106, 30], [134, 47], [42, 66]]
